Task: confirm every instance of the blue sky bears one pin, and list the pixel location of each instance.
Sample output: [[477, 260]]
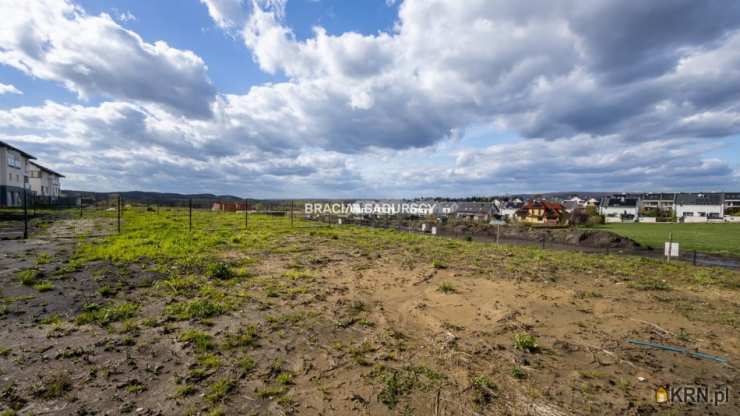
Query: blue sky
[[276, 98]]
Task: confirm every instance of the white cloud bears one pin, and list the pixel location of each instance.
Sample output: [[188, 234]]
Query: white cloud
[[9, 89], [387, 113], [126, 16], [94, 56]]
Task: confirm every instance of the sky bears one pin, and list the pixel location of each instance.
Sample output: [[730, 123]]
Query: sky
[[368, 99]]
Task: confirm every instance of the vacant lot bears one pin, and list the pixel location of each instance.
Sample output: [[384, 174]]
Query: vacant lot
[[708, 238], [347, 320]]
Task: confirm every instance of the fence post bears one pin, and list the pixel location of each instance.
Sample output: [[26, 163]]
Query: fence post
[[81, 205], [190, 214], [670, 247], [25, 212], [694, 257], [291, 213], [246, 214], [498, 232], [120, 206]]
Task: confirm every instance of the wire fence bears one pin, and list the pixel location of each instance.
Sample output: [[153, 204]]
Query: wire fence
[[112, 215]]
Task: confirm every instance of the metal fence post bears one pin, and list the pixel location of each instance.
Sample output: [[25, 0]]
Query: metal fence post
[[120, 207], [25, 213], [190, 213]]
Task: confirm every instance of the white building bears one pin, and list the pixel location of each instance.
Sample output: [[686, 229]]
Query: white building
[[13, 175], [619, 209], [699, 207], [44, 182]]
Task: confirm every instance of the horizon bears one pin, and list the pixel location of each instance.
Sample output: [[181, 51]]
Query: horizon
[[287, 99]]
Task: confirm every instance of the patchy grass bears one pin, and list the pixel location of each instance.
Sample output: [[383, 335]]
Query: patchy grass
[[525, 342], [29, 277], [220, 389], [43, 286], [105, 315], [650, 283], [446, 288], [200, 341], [195, 309]]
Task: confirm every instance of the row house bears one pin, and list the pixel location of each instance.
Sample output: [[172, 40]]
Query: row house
[[21, 175]]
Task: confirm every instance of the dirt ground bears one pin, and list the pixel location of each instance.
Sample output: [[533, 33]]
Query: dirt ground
[[327, 326]]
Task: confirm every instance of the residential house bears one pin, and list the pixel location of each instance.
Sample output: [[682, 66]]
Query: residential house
[[655, 206], [508, 209], [699, 207], [731, 204], [443, 208], [13, 175], [620, 208], [540, 212], [44, 182], [660, 201], [477, 211]]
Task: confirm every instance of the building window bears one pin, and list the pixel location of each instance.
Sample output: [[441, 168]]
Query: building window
[[14, 161]]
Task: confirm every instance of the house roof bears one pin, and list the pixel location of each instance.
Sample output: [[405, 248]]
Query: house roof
[[476, 208], [511, 205], [699, 199], [555, 206], [621, 202], [27, 155], [658, 196], [47, 169]]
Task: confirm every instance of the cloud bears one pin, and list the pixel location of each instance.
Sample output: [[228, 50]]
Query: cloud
[[545, 70], [594, 95], [94, 56], [9, 89]]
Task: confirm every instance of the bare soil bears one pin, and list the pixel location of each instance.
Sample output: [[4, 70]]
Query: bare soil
[[358, 331]]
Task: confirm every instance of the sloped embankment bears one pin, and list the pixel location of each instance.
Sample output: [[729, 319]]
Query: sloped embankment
[[569, 236]]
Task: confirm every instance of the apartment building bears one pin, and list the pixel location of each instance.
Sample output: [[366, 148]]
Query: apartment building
[[13, 175], [43, 181]]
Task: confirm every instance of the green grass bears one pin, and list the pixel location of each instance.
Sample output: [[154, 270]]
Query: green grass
[[105, 315], [525, 342], [721, 239]]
